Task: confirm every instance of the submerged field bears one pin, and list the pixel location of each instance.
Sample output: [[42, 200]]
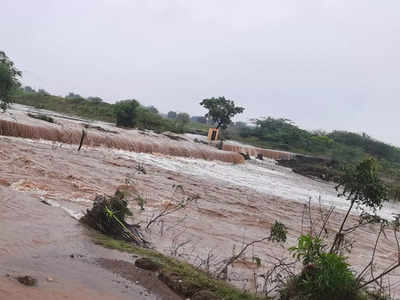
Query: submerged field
[[234, 204]]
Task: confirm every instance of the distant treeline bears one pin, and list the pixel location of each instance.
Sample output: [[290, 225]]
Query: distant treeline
[[341, 146], [96, 109]]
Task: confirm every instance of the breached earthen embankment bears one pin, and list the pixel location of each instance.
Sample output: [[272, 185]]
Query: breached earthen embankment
[[92, 139]]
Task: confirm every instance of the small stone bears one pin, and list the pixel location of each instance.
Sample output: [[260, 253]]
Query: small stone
[[27, 280], [45, 202], [72, 256]]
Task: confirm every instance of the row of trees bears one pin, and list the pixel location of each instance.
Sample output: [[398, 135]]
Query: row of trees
[[285, 135], [220, 113], [70, 95], [129, 113]]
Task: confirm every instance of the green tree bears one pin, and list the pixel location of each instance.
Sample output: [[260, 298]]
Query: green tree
[[126, 112], [362, 186], [182, 119], [9, 75], [148, 119], [221, 110]]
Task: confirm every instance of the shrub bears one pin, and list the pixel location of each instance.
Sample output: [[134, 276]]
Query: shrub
[[329, 278], [308, 249], [126, 112], [9, 80], [278, 232], [324, 275]]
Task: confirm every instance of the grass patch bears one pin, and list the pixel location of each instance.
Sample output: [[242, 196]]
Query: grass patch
[[189, 274]]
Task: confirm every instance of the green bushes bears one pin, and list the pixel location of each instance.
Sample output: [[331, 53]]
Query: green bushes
[[126, 113], [308, 249], [9, 80], [82, 108], [324, 275], [325, 272]]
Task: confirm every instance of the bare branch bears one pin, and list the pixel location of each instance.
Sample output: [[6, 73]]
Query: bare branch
[[237, 256]]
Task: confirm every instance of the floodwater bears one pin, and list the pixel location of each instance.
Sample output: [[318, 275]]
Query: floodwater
[[47, 242], [236, 204], [228, 205]]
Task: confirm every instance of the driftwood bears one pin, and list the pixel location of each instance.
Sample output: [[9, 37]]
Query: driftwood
[[82, 138], [246, 156]]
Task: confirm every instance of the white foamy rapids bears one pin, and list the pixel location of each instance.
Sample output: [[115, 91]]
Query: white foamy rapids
[[263, 176]]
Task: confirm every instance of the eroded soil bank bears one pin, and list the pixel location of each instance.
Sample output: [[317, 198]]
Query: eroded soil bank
[[47, 244], [234, 204]]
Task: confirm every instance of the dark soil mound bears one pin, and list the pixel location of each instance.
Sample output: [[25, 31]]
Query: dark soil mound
[[314, 167], [147, 264], [27, 280]]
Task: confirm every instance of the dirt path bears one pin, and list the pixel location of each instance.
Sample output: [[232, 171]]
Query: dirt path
[[49, 245]]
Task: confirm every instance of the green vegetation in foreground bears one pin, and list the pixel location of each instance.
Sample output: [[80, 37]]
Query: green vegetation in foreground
[[325, 273], [189, 273]]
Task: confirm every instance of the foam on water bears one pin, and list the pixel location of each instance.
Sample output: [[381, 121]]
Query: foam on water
[[264, 176]]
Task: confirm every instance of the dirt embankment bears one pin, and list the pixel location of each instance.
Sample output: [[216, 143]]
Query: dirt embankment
[[17, 123], [47, 244]]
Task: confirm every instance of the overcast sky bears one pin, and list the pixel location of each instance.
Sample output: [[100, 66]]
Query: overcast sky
[[325, 64]]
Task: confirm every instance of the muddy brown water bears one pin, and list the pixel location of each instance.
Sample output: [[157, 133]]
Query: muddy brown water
[[38, 239]]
